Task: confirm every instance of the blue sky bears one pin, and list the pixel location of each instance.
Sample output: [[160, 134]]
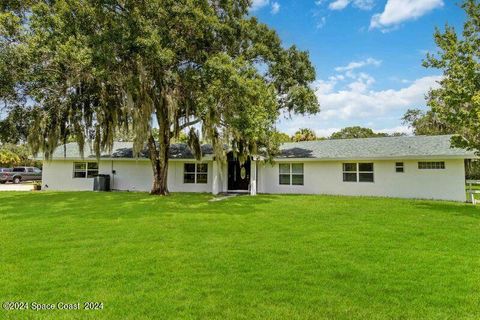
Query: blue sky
[[367, 54]]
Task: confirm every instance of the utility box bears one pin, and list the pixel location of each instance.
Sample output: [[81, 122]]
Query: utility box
[[101, 182]]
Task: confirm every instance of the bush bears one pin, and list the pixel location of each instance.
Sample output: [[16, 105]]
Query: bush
[[17, 155], [8, 158]]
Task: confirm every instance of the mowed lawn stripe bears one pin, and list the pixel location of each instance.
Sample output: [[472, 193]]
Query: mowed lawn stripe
[[269, 256]]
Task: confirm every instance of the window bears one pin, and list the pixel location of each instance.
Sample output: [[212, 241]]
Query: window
[[431, 165], [350, 172], [85, 169], [399, 167], [195, 173], [358, 172], [291, 174], [365, 172], [19, 170]]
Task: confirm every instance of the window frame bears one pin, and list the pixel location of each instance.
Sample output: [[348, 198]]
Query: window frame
[[366, 172], [86, 171], [349, 172], [196, 173], [357, 172], [400, 165], [431, 165], [291, 174]]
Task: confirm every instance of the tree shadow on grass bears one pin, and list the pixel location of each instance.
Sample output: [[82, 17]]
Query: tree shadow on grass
[[96, 205]]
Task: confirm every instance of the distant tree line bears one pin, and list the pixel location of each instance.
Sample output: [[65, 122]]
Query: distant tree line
[[306, 134]]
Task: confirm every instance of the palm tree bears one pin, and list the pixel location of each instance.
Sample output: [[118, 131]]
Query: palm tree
[[304, 134]]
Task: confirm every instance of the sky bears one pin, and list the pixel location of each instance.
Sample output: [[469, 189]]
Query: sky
[[367, 55]]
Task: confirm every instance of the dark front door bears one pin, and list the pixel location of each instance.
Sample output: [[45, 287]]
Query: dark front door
[[238, 175]]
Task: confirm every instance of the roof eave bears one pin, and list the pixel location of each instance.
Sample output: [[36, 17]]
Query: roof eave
[[205, 158], [407, 157]]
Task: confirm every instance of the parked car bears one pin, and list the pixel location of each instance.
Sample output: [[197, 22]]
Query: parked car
[[19, 174], [3, 177]]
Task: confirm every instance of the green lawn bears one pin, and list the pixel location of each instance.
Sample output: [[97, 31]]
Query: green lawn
[[264, 257], [474, 187]]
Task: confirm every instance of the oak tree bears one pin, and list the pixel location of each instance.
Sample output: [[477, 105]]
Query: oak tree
[[456, 102], [92, 68]]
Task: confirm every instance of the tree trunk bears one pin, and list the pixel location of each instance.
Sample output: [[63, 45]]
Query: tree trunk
[[160, 170], [159, 152]]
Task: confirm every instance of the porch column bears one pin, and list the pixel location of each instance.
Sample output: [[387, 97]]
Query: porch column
[[215, 178], [253, 177]]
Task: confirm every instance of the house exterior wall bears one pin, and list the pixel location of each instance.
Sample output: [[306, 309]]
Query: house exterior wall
[[58, 175], [320, 177], [132, 175], [326, 177]]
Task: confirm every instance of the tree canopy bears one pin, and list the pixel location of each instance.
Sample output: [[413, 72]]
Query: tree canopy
[[8, 158], [91, 67], [304, 134], [426, 123], [14, 128], [356, 132], [282, 137], [457, 101]]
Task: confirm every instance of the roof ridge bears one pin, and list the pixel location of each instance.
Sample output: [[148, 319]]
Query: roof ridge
[[371, 138]]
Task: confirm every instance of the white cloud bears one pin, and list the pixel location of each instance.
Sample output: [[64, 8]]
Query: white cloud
[[361, 83], [342, 4], [364, 4], [356, 101], [338, 4], [359, 64], [275, 7], [401, 129], [398, 11], [321, 22], [346, 103], [258, 4]]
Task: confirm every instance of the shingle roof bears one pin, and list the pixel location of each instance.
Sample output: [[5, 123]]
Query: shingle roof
[[125, 150], [354, 149], [375, 148]]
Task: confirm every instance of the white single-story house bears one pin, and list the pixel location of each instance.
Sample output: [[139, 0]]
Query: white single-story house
[[424, 167]]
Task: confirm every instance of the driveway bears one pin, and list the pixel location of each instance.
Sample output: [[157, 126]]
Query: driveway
[[16, 187]]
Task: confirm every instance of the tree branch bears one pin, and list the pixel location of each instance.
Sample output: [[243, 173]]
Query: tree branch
[[188, 124]]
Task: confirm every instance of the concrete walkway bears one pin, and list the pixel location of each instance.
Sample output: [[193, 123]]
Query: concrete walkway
[[16, 187]]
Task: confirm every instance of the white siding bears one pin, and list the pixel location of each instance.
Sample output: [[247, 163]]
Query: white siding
[[320, 177], [58, 175], [175, 179], [132, 175], [325, 177]]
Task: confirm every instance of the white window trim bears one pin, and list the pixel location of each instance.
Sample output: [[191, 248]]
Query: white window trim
[[84, 170], [349, 172], [291, 174], [196, 173], [358, 172]]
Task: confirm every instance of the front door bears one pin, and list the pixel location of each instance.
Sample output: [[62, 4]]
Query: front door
[[238, 175]]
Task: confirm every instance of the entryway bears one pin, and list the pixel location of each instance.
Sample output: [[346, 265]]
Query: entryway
[[238, 174]]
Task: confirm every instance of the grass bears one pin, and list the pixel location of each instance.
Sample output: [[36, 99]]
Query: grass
[[264, 257], [473, 187]]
